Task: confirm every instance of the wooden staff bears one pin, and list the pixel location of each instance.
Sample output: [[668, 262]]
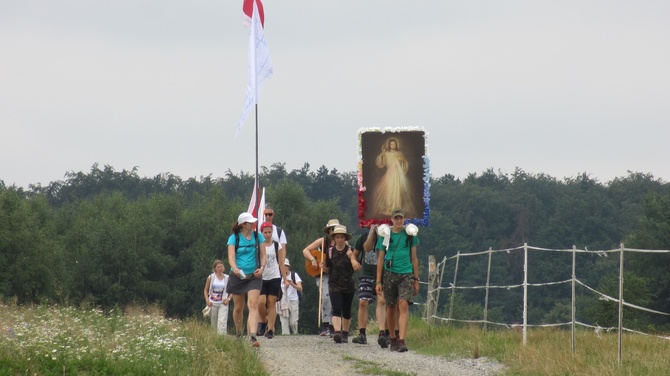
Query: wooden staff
[[320, 283]]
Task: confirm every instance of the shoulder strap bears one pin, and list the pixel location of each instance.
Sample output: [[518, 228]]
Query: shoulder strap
[[293, 276], [258, 250], [237, 241], [410, 239]]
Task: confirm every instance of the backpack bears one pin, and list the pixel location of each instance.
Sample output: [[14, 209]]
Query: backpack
[[258, 244], [281, 294], [293, 279], [279, 231]]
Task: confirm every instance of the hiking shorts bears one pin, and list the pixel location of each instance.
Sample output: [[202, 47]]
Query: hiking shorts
[[397, 287]]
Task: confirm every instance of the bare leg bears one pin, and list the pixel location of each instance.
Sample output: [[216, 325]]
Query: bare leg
[[262, 309], [390, 319], [380, 312], [238, 312], [345, 324], [252, 304], [271, 311], [363, 314], [337, 323], [403, 317]]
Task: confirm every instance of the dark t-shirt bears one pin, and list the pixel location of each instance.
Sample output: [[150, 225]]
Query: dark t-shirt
[[341, 272], [368, 259]]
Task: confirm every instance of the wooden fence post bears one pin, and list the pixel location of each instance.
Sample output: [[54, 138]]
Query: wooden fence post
[[431, 303]]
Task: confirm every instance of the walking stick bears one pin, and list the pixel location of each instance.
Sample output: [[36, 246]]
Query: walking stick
[[320, 284]]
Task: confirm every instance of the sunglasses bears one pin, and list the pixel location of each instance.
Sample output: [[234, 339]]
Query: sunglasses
[[269, 214]]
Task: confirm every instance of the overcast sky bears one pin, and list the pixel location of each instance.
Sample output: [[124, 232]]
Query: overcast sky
[[555, 87]]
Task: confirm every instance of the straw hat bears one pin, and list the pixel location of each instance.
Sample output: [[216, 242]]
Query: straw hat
[[331, 223], [340, 230]]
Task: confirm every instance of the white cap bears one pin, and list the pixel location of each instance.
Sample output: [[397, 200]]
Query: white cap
[[245, 217], [286, 262]]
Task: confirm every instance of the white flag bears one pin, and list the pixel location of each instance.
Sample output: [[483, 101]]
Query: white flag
[[260, 65]]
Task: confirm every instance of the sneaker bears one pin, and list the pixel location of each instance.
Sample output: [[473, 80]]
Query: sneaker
[[269, 334], [254, 341], [402, 347], [324, 332], [394, 344], [261, 328], [330, 332], [337, 337], [345, 337], [361, 340], [383, 341]]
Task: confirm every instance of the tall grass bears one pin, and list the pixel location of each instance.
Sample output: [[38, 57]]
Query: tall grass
[[68, 341], [547, 352]]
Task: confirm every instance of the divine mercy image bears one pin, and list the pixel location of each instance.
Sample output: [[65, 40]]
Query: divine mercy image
[[392, 167]]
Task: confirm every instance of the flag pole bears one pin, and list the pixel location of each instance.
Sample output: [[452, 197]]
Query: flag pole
[[258, 183]]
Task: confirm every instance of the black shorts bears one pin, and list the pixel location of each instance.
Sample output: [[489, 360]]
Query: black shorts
[[271, 287]]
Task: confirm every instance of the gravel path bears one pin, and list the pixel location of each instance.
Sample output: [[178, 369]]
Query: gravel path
[[314, 355]]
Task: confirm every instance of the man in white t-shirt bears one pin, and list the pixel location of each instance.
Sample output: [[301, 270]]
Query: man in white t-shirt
[[288, 308]]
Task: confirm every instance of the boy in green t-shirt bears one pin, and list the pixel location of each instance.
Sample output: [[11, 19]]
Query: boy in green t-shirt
[[397, 276]]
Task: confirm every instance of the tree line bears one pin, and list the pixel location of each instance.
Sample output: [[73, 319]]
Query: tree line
[[109, 238]]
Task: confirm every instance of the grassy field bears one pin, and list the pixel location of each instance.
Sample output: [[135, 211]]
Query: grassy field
[[67, 341], [548, 351]]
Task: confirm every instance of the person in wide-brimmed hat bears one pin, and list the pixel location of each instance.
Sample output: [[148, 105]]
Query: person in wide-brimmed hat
[[330, 225], [341, 264], [311, 252]]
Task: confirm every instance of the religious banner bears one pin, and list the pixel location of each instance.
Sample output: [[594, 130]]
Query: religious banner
[[393, 173]]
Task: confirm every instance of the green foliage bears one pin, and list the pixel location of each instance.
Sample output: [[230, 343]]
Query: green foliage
[[635, 291], [112, 238]]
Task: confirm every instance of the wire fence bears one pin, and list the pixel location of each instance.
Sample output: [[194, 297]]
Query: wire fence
[[435, 286]]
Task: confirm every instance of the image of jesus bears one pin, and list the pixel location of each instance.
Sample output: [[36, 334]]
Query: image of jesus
[[394, 189]]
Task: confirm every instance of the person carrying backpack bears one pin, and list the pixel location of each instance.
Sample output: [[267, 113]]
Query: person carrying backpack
[[365, 252], [289, 305], [272, 281], [279, 238], [247, 262], [397, 275]]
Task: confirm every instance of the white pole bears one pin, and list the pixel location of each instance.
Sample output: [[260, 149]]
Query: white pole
[[574, 277], [453, 287], [525, 292], [486, 298], [620, 303]]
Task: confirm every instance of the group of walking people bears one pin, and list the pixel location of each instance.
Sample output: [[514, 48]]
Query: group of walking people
[[260, 270]]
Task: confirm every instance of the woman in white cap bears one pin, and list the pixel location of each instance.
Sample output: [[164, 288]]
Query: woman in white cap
[[247, 262]]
